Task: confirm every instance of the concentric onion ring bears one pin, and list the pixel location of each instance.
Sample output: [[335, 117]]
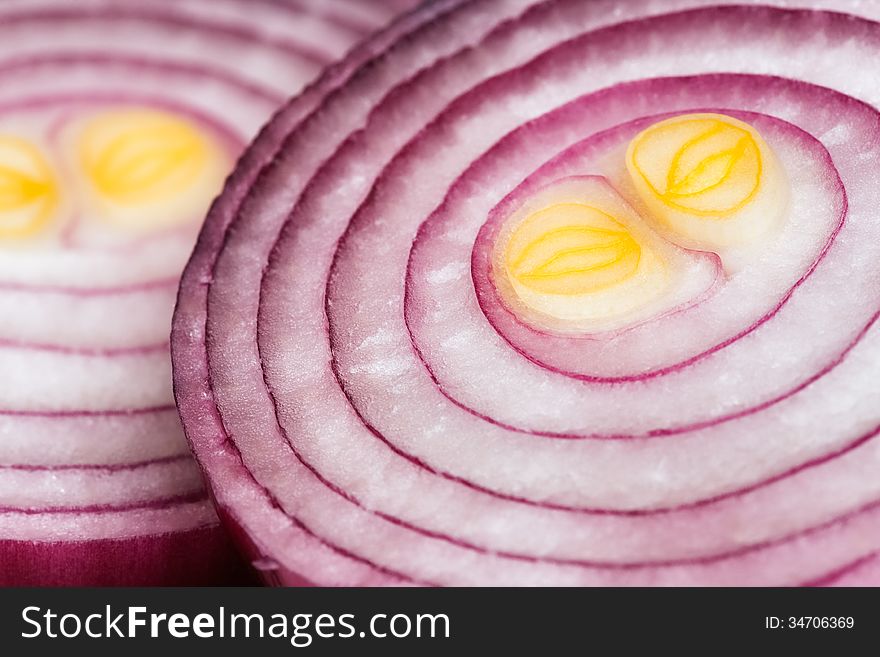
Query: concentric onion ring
[[118, 123], [371, 406]]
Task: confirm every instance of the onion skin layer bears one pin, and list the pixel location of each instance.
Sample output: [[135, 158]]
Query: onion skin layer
[[197, 557], [243, 382], [97, 486]]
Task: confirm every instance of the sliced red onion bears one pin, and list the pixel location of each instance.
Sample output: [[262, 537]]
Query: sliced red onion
[[118, 123], [372, 405]]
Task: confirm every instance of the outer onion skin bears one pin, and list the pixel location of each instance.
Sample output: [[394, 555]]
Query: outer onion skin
[[97, 486], [199, 557], [283, 370]]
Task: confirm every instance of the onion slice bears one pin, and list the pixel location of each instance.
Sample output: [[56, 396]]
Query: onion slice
[[373, 404], [118, 123]]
